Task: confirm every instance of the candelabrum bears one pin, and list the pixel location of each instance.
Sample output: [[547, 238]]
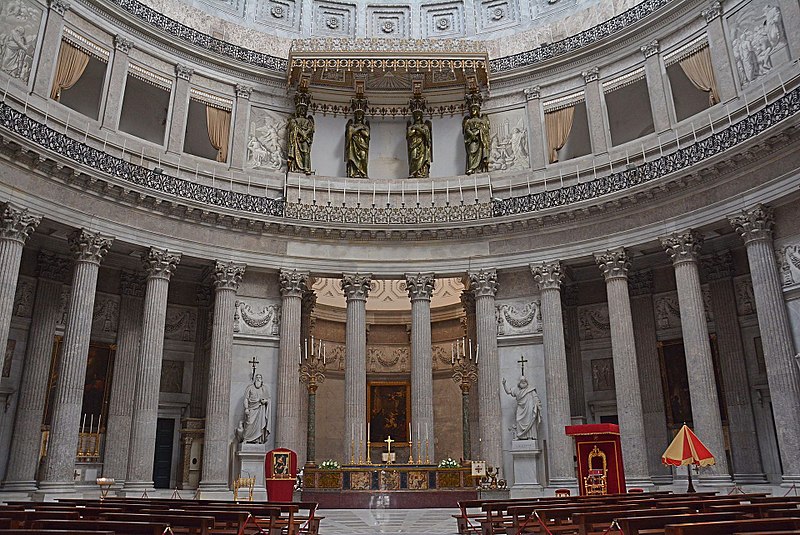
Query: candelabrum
[[465, 373], [312, 368]]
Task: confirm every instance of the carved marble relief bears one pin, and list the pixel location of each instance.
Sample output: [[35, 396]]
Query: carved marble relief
[[757, 40], [594, 322], [256, 319], [519, 318], [745, 299], [20, 21], [388, 21], [106, 313], [388, 294], [509, 137], [442, 19], [388, 359], [603, 374], [172, 376], [63, 302], [668, 312], [280, 13], [789, 263], [497, 14], [23, 298], [266, 141], [181, 324], [11, 345], [334, 18]]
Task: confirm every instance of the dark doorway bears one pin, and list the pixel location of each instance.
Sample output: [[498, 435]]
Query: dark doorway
[[162, 465]]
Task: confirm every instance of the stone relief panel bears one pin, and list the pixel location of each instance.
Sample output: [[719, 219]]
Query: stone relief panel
[[172, 376], [266, 141], [388, 21], [181, 324], [20, 21], [519, 318], [8, 361], [745, 299], [789, 263], [509, 138], [594, 322], [602, 374], [63, 301], [757, 40], [442, 19], [334, 18], [280, 13], [388, 359], [23, 298], [497, 14], [668, 312], [256, 319], [106, 313], [388, 294]]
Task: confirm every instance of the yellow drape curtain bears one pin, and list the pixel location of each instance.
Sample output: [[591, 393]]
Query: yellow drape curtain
[[71, 64], [698, 69], [558, 125], [219, 127]]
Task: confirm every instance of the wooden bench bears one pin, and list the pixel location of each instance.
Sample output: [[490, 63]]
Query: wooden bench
[[139, 528], [18, 531], [180, 523], [589, 522], [632, 525], [735, 526]]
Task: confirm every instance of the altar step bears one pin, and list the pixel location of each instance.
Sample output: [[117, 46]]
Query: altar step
[[398, 499], [387, 522]]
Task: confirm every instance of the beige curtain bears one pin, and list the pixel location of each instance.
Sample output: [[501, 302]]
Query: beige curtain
[[219, 127], [697, 68], [558, 125], [71, 64]]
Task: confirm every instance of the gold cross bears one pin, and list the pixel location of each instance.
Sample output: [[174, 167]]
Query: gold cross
[[389, 444], [522, 362]]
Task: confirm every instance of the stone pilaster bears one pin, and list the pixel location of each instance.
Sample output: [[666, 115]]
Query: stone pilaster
[[548, 277], [227, 277], [718, 48], [614, 265], [88, 249], [16, 224], [684, 248], [180, 109], [197, 405], [572, 345], [536, 136], [640, 288], [356, 288], [123, 384], [655, 74], [26, 438], [742, 428], [420, 289], [241, 118], [288, 432], [783, 375], [117, 79], [159, 264], [594, 111], [51, 44]]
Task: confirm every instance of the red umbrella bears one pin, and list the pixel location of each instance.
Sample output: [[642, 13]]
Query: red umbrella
[[686, 449]]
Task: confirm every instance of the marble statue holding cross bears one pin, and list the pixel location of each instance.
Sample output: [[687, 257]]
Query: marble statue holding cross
[[252, 428], [529, 407]]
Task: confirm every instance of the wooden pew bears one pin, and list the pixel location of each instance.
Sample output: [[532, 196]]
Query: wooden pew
[[757, 510], [734, 526], [180, 523], [139, 528], [591, 521], [632, 525], [18, 531]]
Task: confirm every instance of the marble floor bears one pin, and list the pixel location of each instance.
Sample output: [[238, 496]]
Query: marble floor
[[387, 521]]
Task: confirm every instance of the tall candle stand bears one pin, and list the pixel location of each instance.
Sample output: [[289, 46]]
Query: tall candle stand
[[465, 373], [312, 368]]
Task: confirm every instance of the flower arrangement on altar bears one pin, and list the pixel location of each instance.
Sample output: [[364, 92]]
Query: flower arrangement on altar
[[329, 464], [448, 463]]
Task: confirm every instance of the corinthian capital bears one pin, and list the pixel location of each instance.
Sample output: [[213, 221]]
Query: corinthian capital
[[122, 43], [683, 247], [87, 246], [650, 49], [228, 275], [160, 263], [59, 6], [293, 283], [754, 224], [614, 263], [52, 267], [243, 91], [420, 285], [713, 11], [591, 75], [16, 223], [548, 275], [356, 286], [184, 72], [483, 283]]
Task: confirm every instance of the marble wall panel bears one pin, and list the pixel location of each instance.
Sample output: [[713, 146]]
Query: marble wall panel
[[106, 314], [509, 141], [388, 21], [266, 140], [497, 14], [281, 13], [757, 40], [20, 24], [594, 322], [256, 318], [172, 376], [334, 18], [442, 19]]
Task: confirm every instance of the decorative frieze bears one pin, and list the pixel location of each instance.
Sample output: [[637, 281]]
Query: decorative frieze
[[263, 320], [180, 324], [519, 318], [594, 322]]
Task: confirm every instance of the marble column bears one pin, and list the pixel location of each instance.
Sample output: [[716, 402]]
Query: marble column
[[88, 249], [123, 383], [483, 285], [741, 424], [594, 111], [241, 119], [197, 405], [536, 134], [180, 109], [159, 264], [614, 265], [640, 287], [356, 288], [420, 289], [218, 435], [560, 448], [306, 330], [117, 80], [718, 48], [684, 249], [16, 224], [23, 460], [293, 285], [655, 75], [783, 375], [572, 344], [51, 44], [468, 302]]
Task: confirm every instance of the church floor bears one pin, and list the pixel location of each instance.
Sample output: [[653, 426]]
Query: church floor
[[387, 521]]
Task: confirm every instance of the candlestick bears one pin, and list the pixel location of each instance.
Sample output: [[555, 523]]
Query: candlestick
[[83, 424]]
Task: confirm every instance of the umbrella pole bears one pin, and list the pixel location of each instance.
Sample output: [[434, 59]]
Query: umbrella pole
[[689, 471]]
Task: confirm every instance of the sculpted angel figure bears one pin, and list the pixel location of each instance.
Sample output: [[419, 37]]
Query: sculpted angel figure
[[300, 135], [419, 137], [477, 140], [356, 145], [529, 409]]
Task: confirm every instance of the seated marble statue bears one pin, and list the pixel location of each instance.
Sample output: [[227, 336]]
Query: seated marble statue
[[253, 427], [529, 409]]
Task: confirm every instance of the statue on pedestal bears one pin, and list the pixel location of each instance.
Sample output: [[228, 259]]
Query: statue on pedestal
[[419, 137], [300, 134], [476, 131], [529, 409], [356, 141], [253, 427]]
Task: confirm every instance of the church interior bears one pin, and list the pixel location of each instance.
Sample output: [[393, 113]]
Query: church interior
[[399, 256]]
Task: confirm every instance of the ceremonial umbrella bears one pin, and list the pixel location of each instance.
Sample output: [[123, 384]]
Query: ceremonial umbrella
[[686, 450]]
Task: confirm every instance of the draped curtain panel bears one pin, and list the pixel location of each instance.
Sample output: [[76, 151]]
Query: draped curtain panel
[[219, 126], [698, 69], [71, 64], [558, 124]]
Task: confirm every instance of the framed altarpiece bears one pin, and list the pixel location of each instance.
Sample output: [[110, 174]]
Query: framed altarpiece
[[389, 411]]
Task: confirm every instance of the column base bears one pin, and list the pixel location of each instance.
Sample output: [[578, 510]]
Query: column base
[[50, 491], [750, 479], [723, 480], [565, 483], [789, 481], [215, 492], [640, 482], [664, 479], [19, 486]]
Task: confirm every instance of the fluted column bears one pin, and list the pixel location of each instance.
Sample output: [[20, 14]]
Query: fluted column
[[123, 384], [241, 119], [218, 435], [197, 406], [420, 289], [560, 449], [577, 396], [536, 136], [159, 264], [117, 79], [51, 44], [640, 287], [783, 375], [742, 427], [684, 249], [26, 438], [655, 77], [594, 111], [88, 249], [287, 419], [483, 285], [356, 288], [614, 265], [180, 109], [718, 48]]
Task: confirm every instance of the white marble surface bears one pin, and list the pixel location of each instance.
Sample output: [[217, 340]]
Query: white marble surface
[[378, 521]]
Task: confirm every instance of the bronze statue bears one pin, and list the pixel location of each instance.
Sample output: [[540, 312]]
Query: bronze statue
[[300, 135], [356, 141], [476, 136], [419, 137]]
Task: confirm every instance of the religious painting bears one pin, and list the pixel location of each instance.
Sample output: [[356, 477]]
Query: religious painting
[[280, 465], [389, 411], [417, 480]]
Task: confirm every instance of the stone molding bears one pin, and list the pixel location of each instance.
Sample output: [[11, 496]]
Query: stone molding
[[483, 283], [293, 283], [650, 49], [754, 224], [712, 11], [683, 247], [243, 91], [59, 6], [533, 93], [591, 75], [548, 276], [184, 72], [17, 223], [614, 263], [718, 266], [132, 283], [420, 286], [640, 282], [356, 286], [88, 246], [160, 263], [52, 267], [228, 275], [123, 44]]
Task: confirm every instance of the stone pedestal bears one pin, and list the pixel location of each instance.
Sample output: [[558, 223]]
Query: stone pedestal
[[525, 455], [250, 458]]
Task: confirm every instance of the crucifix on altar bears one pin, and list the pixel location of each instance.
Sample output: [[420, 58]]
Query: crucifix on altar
[[388, 456]]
